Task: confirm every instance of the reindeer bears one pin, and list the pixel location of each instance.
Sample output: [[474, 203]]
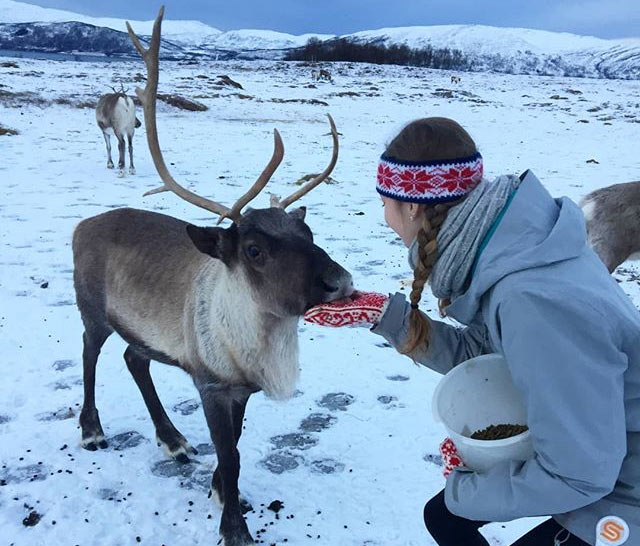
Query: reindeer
[[321, 74], [222, 304], [116, 115], [325, 75], [612, 216]]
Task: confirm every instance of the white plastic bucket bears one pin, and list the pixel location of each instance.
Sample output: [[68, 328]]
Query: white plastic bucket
[[473, 395]]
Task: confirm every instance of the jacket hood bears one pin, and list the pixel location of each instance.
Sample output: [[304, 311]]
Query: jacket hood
[[536, 230]]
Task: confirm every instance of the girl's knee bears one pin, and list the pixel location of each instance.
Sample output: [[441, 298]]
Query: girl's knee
[[435, 511]]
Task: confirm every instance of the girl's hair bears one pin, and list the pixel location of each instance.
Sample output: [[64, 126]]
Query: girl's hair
[[428, 139]]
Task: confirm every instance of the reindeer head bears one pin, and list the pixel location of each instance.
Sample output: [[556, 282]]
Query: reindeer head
[[271, 248], [274, 251]]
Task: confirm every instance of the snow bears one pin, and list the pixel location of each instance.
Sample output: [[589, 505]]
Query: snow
[[187, 33], [366, 464], [486, 39], [22, 12], [262, 39]]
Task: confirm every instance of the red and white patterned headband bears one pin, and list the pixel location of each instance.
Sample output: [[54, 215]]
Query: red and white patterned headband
[[428, 181]]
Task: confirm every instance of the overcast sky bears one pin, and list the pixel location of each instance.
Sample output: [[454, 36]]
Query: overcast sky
[[603, 18]]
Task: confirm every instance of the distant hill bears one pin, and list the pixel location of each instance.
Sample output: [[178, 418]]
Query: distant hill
[[25, 27]]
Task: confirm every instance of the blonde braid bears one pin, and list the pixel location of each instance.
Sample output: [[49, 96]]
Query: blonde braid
[[419, 326]]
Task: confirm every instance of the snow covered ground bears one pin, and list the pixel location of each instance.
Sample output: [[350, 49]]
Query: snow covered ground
[[353, 455]]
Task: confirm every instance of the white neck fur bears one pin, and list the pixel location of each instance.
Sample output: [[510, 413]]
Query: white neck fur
[[237, 340]]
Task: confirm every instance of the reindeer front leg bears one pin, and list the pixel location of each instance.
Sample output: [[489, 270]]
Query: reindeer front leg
[[222, 406]]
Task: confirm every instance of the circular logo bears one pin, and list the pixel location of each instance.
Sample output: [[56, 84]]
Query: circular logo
[[611, 531]]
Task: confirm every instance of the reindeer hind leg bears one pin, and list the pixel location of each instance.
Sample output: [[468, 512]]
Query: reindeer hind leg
[[107, 140], [94, 336], [121, 150], [132, 169], [167, 434]]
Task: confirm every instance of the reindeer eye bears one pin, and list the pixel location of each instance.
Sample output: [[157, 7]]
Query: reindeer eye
[[253, 251]]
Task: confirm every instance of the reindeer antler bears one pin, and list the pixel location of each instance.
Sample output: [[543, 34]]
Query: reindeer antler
[[284, 203], [148, 98]]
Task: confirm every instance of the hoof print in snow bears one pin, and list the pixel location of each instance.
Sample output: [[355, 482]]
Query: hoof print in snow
[[279, 462], [191, 475], [108, 494], [387, 399], [126, 440], [60, 365], [62, 303], [187, 407], [336, 401], [205, 449], [433, 459], [66, 384], [28, 473], [294, 440], [326, 466], [317, 422], [173, 469], [4, 419], [58, 415], [397, 378], [32, 519]]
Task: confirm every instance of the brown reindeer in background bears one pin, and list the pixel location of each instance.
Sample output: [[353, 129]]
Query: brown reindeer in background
[[612, 216], [116, 115], [222, 304]]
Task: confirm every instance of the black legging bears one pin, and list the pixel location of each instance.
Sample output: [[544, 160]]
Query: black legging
[[447, 529]]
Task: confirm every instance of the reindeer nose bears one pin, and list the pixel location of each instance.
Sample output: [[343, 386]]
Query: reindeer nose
[[340, 287]]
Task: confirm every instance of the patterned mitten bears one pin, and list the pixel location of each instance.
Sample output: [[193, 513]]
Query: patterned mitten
[[450, 456], [361, 308]]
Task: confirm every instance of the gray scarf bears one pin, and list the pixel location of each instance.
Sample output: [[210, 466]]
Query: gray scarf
[[461, 234]]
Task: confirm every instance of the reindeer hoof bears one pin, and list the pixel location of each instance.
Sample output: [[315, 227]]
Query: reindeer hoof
[[121, 173], [132, 170], [182, 458], [237, 538], [92, 443], [110, 165], [245, 505], [177, 448]]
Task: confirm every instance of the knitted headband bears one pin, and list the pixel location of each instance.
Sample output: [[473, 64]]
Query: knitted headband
[[428, 181]]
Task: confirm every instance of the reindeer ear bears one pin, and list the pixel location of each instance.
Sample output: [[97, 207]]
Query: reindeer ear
[[216, 242], [300, 213]]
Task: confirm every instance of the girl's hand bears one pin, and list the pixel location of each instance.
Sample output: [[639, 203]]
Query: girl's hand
[[359, 309], [450, 457]]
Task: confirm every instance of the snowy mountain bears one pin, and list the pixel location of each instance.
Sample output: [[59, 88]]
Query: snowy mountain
[[22, 12], [484, 48], [520, 50], [192, 36], [74, 37]]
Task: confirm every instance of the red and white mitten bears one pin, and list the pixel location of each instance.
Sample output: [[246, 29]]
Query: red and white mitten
[[450, 456], [360, 308]]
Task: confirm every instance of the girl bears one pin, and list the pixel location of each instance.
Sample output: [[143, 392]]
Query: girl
[[511, 263]]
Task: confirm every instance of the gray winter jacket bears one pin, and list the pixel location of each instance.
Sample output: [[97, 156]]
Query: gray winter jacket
[[571, 337]]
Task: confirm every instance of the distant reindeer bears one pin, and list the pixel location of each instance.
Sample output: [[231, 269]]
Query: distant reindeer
[[456, 79], [321, 74], [222, 304], [116, 115], [612, 215]]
